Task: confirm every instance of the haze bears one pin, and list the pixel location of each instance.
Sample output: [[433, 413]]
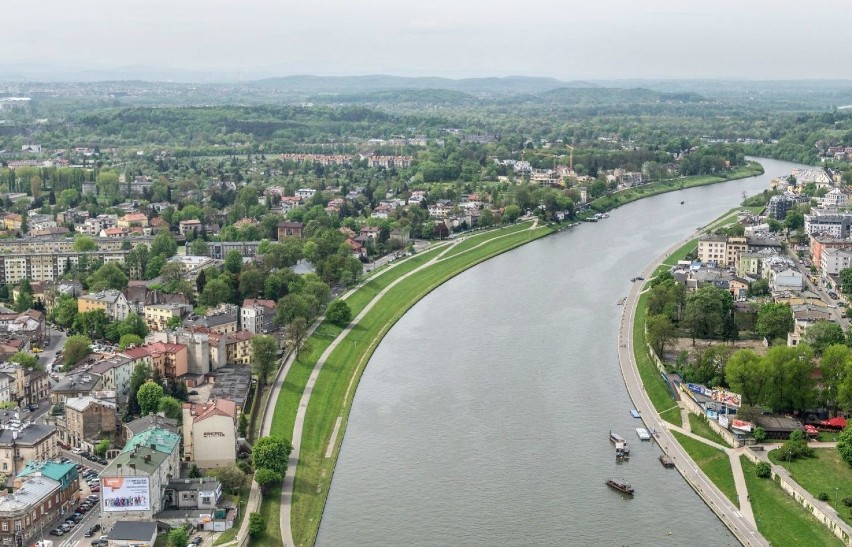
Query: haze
[[454, 38]]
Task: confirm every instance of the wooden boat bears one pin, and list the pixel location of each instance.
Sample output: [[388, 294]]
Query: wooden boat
[[621, 486], [616, 438], [666, 461]]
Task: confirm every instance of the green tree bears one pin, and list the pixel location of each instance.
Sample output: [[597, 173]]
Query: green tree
[[178, 537], [26, 360], [272, 453], [844, 444], [774, 321], [242, 425], [233, 262], [290, 307], [264, 349], [170, 407], [763, 470], [252, 283], [823, 334], [194, 472], [660, 332], [76, 348], [108, 276], [338, 312], [215, 292], [511, 213], [707, 310], [163, 245], [141, 374], [296, 335], [198, 247], [149, 396], [231, 477], [25, 296], [790, 385], [64, 310], [834, 369], [746, 374], [174, 322], [102, 447], [846, 281], [84, 244], [266, 477], [257, 524], [93, 323], [128, 340], [759, 434], [759, 287]]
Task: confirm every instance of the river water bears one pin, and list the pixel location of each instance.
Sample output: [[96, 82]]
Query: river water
[[483, 416]]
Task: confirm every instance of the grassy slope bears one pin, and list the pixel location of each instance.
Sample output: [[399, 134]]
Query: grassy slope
[[827, 473], [655, 386], [780, 519], [700, 427], [713, 462], [347, 361]]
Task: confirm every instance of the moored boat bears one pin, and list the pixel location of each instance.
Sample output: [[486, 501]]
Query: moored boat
[[643, 433], [621, 486], [666, 461]]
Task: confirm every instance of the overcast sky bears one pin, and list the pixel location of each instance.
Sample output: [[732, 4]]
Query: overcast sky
[[592, 39]]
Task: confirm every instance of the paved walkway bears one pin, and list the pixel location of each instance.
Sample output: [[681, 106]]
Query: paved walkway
[[741, 527], [740, 483]]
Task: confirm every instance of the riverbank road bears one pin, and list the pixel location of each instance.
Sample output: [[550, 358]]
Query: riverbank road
[[745, 531]]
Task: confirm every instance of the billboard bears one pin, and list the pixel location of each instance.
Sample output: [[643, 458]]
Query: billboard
[[125, 494]]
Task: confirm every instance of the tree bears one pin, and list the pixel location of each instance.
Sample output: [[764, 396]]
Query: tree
[[76, 348], [174, 322], [822, 334], [231, 477], [790, 382], [272, 453], [763, 470], [198, 247], [297, 334], [846, 280], [660, 332], [252, 283], [93, 323], [759, 434], [233, 262], [746, 374], [511, 213], [140, 375], [108, 276], [707, 310], [759, 287], [774, 321], [128, 340], [64, 310], [26, 360], [844, 444], [834, 370], [170, 407], [338, 312], [265, 477], [84, 244], [102, 447], [263, 352], [178, 537], [171, 274], [163, 245], [25, 296], [149, 396], [290, 307], [215, 292], [257, 525], [194, 472], [242, 425]]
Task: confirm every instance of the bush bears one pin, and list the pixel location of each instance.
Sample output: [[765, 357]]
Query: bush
[[759, 434], [244, 467], [339, 313], [256, 524], [763, 470], [795, 449], [847, 501], [822, 496]]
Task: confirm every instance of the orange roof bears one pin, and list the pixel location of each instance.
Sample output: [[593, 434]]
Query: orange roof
[[216, 407], [249, 302], [134, 217]]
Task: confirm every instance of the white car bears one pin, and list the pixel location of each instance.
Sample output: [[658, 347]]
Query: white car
[[77, 450]]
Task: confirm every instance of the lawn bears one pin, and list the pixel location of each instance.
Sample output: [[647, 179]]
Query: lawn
[[655, 386], [269, 508], [713, 462], [780, 519], [700, 427], [332, 394], [471, 241], [827, 473]]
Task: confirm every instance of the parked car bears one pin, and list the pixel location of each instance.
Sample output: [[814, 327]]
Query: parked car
[[32, 407], [91, 531], [100, 542], [66, 526], [95, 488], [57, 532], [197, 540]]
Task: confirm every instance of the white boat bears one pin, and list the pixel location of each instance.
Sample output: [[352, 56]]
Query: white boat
[[643, 433]]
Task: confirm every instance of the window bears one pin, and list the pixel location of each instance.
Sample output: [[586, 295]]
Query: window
[[5, 526]]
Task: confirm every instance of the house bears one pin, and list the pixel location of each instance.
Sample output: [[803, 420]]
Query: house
[[257, 315], [399, 236], [115, 372], [152, 421], [189, 226], [289, 229], [74, 385], [170, 359], [222, 319], [305, 193], [131, 220], [22, 442], [157, 316], [210, 433], [86, 419], [371, 233], [116, 232], [34, 506], [201, 493], [112, 302]]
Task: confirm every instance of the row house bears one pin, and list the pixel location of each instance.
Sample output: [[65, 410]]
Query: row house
[[86, 419], [115, 371], [76, 385], [29, 510], [20, 443], [170, 359]]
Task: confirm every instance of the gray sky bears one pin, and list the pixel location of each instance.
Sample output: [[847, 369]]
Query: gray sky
[[591, 39]]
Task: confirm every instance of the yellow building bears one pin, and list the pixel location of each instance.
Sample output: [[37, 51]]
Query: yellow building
[[113, 303], [157, 316]]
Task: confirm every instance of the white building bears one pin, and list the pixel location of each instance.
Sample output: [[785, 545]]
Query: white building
[[834, 260], [834, 199], [210, 433], [257, 315]]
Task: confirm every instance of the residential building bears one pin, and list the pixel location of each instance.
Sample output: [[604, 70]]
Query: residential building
[[779, 205], [74, 385], [834, 260], [305, 193], [257, 315], [834, 199], [289, 229], [152, 421], [132, 220], [31, 386], [157, 316], [133, 483], [222, 319], [86, 419], [189, 226], [169, 359], [7, 382], [20, 443], [201, 493], [115, 372], [220, 249], [112, 302], [197, 347], [210, 433], [48, 266], [26, 514], [831, 225]]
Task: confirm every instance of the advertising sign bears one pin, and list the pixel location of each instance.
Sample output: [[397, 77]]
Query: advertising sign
[[125, 494], [723, 420], [741, 425]]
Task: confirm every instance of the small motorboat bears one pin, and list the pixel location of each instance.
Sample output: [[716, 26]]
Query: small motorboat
[[621, 486]]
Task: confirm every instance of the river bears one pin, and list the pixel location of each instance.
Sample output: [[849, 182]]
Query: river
[[483, 416]]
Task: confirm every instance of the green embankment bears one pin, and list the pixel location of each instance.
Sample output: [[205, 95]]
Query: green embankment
[[826, 473], [780, 519], [699, 426], [332, 394], [655, 386], [617, 199], [713, 462]]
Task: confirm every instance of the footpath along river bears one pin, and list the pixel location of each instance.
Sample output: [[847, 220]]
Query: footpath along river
[[483, 416]]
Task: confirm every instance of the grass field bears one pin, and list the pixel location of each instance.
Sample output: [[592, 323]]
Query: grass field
[[655, 386], [701, 428], [333, 391], [713, 462], [780, 519], [826, 473]]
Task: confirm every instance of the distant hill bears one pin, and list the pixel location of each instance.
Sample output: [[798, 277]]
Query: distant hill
[[610, 95], [425, 97]]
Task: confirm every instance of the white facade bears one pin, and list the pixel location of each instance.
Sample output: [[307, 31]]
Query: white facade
[[834, 260], [786, 280], [834, 199]]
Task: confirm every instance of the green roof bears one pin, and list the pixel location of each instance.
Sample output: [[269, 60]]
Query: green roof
[[162, 440], [63, 473], [136, 458]]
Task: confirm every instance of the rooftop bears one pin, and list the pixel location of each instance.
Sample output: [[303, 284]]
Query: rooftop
[[26, 434], [162, 440], [124, 530], [30, 493]]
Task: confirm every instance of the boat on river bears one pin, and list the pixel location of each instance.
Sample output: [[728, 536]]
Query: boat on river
[[666, 461], [621, 486], [643, 433]]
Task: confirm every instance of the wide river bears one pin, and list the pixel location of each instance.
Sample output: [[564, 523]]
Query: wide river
[[483, 416]]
